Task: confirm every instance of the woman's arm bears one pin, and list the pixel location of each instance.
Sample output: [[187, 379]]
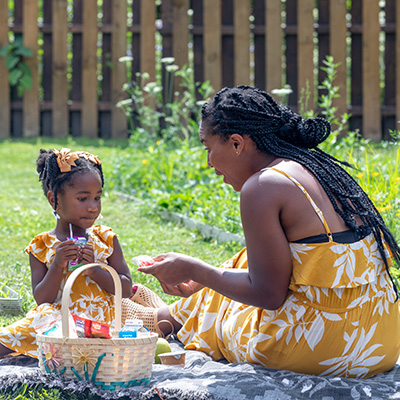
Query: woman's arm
[[265, 283], [104, 279]]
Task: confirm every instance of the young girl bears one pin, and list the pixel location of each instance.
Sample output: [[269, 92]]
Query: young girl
[[73, 184]]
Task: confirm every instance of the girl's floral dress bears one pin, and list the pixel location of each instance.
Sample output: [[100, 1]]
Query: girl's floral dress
[[87, 297], [340, 317]]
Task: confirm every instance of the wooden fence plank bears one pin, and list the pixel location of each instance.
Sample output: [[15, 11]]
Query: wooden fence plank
[[89, 70], [273, 44], [356, 66], [180, 37], [148, 38], [212, 43], [305, 43], [397, 55], [337, 21], [291, 52], [370, 70], [389, 98], [16, 100], [198, 42], [180, 32], [47, 82], [242, 42], [119, 127], [31, 124], [259, 37], [75, 84], [4, 84], [227, 44], [60, 118], [106, 48]]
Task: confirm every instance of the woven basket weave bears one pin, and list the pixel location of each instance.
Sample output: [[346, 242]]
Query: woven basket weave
[[110, 363]]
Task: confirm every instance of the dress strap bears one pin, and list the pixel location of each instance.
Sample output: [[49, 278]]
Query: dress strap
[[315, 207]]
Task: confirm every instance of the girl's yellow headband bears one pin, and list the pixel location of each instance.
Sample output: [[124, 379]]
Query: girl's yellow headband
[[66, 159]]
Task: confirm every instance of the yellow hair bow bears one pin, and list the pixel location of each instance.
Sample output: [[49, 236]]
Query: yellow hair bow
[[66, 159]]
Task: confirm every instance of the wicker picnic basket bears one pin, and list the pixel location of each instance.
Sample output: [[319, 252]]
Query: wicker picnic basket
[[109, 363]]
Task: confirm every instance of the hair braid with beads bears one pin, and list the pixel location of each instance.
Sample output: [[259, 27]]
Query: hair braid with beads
[[53, 179], [277, 130]]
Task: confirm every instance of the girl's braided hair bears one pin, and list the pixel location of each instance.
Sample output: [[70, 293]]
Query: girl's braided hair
[[277, 130], [53, 179]]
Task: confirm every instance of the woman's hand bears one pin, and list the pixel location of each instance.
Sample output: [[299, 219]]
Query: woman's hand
[[184, 289], [172, 269]]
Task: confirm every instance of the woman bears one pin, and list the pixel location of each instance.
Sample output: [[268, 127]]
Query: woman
[[311, 292]]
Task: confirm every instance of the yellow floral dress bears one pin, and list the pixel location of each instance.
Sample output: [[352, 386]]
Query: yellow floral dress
[[340, 317], [87, 297]]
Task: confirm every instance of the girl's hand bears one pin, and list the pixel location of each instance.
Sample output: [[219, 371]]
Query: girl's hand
[[86, 256], [66, 251]]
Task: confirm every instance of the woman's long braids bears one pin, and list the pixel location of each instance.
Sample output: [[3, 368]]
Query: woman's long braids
[[277, 130], [53, 179]]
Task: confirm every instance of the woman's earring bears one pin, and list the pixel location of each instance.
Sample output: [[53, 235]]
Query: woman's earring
[[100, 216], [56, 216]]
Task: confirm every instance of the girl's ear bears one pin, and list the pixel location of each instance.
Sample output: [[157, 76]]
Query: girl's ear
[[51, 198]]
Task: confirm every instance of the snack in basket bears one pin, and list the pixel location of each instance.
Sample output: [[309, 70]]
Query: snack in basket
[[88, 328], [82, 326], [100, 330], [143, 261], [50, 325]]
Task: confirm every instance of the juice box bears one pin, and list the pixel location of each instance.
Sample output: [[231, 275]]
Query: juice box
[[74, 264]]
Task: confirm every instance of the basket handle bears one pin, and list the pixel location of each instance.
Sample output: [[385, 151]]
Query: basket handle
[[67, 291]]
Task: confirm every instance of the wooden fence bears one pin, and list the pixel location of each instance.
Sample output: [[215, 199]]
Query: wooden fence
[[77, 78]]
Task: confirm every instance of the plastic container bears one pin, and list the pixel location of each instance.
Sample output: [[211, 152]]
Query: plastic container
[[130, 329]]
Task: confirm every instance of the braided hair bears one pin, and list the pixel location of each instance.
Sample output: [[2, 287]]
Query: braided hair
[[53, 179], [277, 130]]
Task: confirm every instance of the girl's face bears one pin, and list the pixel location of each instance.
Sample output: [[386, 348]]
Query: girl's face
[[79, 201]]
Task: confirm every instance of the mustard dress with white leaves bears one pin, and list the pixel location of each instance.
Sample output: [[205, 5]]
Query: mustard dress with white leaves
[[87, 297], [340, 317]]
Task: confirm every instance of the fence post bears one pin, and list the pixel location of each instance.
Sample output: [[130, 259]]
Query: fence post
[[305, 43], [89, 113], [212, 43], [5, 111], [273, 44], [148, 38], [59, 98], [337, 21], [118, 73], [371, 109], [180, 36], [397, 56], [31, 114], [242, 42]]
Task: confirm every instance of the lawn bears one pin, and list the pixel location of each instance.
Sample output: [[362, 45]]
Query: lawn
[[159, 178]]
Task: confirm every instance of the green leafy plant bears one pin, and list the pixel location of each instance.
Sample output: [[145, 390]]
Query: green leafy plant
[[20, 75], [158, 111]]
